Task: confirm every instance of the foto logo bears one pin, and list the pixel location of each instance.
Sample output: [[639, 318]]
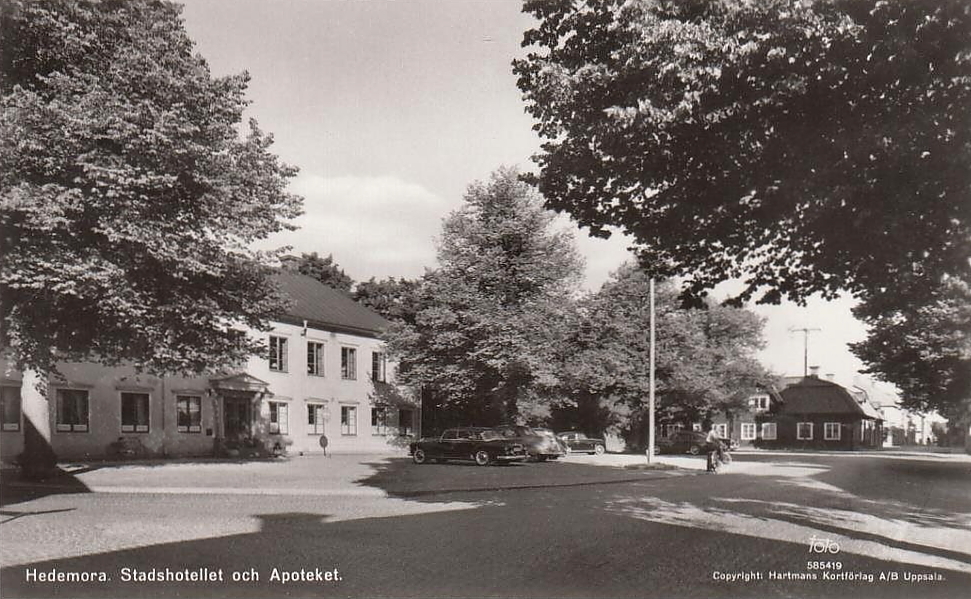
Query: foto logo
[[823, 545]]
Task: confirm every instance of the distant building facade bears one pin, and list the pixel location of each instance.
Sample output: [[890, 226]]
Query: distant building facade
[[325, 382]]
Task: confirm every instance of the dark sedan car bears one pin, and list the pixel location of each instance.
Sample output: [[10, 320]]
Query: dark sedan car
[[483, 446], [540, 444], [578, 442]]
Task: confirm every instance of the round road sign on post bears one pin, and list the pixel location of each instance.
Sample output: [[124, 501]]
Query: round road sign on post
[[323, 443]]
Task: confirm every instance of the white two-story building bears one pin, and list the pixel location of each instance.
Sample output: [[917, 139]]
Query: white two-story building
[[324, 383]]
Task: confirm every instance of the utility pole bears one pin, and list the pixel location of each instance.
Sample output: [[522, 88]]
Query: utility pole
[[650, 401], [805, 347]]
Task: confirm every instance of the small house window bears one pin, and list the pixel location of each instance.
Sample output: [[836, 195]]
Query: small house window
[[769, 431], [315, 418], [10, 398], [379, 421], [804, 431], [378, 367], [348, 420], [831, 431], [279, 418], [72, 411], [134, 412], [188, 410], [748, 431]]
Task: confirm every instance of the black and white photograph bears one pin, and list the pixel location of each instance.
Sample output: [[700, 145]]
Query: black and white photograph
[[660, 299]]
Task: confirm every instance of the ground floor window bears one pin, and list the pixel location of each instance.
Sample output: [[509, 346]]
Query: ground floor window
[[831, 431], [748, 431], [379, 421], [768, 431], [315, 419], [804, 431], [72, 411], [134, 412], [279, 418], [348, 420], [188, 413], [10, 400], [406, 422]]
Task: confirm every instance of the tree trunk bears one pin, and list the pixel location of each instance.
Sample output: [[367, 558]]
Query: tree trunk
[[38, 460]]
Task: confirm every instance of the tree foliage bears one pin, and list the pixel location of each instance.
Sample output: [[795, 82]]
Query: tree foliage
[[395, 299], [491, 312], [324, 270], [805, 146], [130, 194], [921, 344], [705, 357]]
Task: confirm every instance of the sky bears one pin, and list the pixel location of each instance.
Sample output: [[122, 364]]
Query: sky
[[391, 109]]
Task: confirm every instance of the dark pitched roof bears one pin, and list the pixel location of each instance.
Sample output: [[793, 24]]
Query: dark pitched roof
[[812, 395], [324, 307]]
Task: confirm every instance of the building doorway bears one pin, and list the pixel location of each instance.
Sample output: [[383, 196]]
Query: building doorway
[[238, 420]]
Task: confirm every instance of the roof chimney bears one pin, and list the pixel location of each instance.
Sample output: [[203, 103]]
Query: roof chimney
[[830, 376], [814, 372]]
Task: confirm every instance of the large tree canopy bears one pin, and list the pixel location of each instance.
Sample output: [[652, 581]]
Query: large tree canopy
[[130, 195], [492, 311], [801, 146], [705, 360], [324, 270]]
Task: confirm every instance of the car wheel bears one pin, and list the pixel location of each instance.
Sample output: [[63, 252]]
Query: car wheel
[[482, 457], [599, 449], [419, 456], [694, 450]]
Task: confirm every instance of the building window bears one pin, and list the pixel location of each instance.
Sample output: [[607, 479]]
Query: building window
[[134, 412], [348, 363], [379, 421], [831, 431], [406, 422], [188, 413], [768, 431], [10, 398], [748, 431], [315, 419], [348, 420], [760, 402], [279, 418], [378, 367], [315, 358], [72, 411], [804, 430], [278, 354]]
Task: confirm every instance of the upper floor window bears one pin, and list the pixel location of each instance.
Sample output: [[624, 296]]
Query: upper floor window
[[315, 358], [348, 363], [278, 354], [760, 402], [378, 367], [134, 412], [10, 400], [188, 413], [72, 411]]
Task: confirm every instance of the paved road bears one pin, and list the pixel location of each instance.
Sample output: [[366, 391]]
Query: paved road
[[566, 530]]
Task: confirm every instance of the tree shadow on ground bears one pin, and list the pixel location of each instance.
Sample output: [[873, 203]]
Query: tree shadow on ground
[[15, 490], [523, 549]]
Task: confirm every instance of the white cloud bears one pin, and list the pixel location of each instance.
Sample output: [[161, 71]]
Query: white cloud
[[373, 226]]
